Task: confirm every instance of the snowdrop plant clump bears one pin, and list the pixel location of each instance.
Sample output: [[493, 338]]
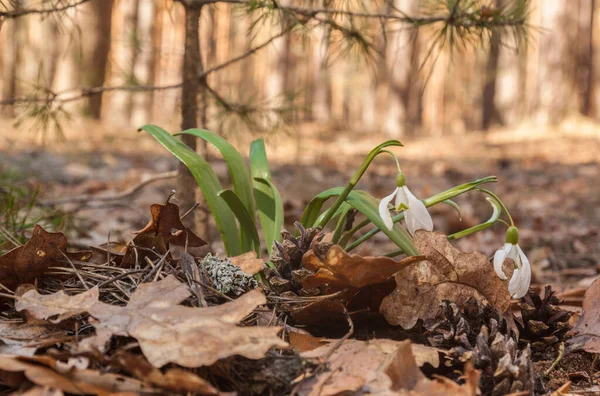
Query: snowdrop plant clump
[[255, 196], [521, 278]]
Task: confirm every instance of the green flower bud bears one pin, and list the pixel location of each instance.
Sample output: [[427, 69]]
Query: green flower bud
[[512, 235], [400, 180]]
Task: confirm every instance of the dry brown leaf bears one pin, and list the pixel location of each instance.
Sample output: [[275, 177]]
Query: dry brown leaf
[[447, 274], [248, 263], [407, 379], [165, 330], [39, 391], [306, 342], [587, 329], [174, 379], [40, 372], [27, 262], [166, 221], [339, 270], [375, 365], [164, 229], [23, 338]]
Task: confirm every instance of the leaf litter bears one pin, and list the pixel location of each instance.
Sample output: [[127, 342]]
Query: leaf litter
[[440, 323]]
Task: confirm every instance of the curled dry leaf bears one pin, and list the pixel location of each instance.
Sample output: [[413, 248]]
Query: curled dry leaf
[[167, 332], [42, 371], [24, 338], [248, 263], [25, 263], [447, 274], [587, 330], [173, 379], [383, 367], [338, 270], [166, 221], [163, 230]]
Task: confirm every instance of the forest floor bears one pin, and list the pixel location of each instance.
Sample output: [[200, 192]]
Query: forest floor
[[548, 178]]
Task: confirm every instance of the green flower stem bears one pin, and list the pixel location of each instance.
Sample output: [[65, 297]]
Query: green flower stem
[[433, 200], [355, 179], [497, 211], [491, 194], [395, 159]]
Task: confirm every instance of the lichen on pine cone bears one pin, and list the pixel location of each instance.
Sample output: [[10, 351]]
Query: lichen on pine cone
[[479, 334], [544, 323], [287, 258]]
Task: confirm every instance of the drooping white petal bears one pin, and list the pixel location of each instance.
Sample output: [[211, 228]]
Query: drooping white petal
[[524, 275], [384, 212], [401, 198], [499, 257], [417, 217], [514, 284], [514, 255]]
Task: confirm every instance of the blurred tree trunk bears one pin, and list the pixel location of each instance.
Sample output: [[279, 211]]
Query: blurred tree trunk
[[96, 48], [192, 66], [586, 55], [319, 102], [125, 55], [557, 61], [11, 59], [490, 111], [595, 70], [141, 102], [399, 73]]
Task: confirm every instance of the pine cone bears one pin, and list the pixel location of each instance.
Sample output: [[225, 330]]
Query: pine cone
[[287, 257], [545, 323], [480, 334]]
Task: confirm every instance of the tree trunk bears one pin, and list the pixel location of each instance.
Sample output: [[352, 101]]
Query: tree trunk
[[399, 57], [96, 58], [586, 55], [11, 61], [491, 114], [140, 102], [186, 184], [557, 62]]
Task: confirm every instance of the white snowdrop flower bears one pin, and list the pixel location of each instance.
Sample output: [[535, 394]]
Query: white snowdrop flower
[[415, 213], [521, 278]]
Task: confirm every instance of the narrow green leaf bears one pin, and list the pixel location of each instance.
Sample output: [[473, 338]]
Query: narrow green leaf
[[250, 239], [268, 200], [242, 182], [207, 181], [270, 210], [259, 166]]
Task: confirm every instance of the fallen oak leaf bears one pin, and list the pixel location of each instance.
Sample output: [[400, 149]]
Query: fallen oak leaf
[[23, 338], [166, 221], [248, 263], [377, 365], [174, 379], [586, 333], [42, 371], [447, 274], [167, 332], [338, 270], [25, 263]]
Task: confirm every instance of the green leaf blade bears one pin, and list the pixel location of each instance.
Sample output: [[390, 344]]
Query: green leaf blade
[[207, 181]]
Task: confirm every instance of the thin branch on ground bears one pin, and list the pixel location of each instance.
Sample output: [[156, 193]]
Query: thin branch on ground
[[114, 197]]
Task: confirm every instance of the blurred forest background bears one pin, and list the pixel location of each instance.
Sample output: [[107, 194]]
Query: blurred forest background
[[400, 88]]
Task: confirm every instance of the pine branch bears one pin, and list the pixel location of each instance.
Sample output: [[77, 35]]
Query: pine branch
[[75, 94], [40, 11]]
